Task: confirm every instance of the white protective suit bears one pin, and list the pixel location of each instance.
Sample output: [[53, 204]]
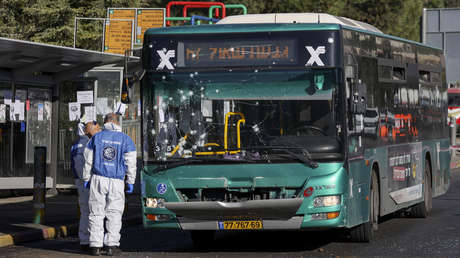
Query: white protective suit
[[110, 156], [78, 162]]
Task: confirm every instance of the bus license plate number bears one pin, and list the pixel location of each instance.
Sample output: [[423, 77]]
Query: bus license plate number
[[240, 224]]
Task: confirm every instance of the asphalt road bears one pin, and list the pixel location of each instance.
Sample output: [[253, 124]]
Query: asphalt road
[[436, 236]]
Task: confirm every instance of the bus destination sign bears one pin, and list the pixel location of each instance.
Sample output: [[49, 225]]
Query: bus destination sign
[[237, 53]]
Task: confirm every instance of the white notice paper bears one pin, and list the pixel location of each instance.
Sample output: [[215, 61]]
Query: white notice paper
[[2, 113], [48, 110], [206, 107], [139, 108], [121, 108], [85, 97], [102, 106], [40, 112], [90, 113], [74, 111], [19, 110]]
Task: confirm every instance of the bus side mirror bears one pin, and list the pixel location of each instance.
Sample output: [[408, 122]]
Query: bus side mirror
[[127, 90], [358, 98]]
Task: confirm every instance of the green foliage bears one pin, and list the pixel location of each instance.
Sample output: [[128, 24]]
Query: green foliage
[[49, 21], [52, 21]]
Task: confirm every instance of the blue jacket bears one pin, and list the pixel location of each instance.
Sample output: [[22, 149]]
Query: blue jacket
[[113, 155], [77, 160]]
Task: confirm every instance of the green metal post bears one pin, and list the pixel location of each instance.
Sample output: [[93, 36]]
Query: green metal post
[[178, 18], [228, 6]]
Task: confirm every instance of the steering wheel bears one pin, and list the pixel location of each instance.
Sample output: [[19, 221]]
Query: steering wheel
[[311, 128]]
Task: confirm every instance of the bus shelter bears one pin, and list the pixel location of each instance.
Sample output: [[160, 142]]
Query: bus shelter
[[37, 82]]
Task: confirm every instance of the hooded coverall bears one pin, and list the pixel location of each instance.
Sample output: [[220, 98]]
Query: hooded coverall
[[77, 161], [110, 156]]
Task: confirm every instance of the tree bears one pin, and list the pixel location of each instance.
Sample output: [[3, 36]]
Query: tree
[[49, 21], [12, 19]]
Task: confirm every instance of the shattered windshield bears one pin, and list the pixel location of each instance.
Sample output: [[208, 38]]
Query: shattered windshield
[[224, 114]]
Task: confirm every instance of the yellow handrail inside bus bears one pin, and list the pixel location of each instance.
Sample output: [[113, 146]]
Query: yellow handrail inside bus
[[178, 145], [242, 120], [211, 144], [238, 124]]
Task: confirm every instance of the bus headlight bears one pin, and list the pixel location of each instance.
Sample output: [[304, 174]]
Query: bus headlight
[[154, 202], [324, 201]]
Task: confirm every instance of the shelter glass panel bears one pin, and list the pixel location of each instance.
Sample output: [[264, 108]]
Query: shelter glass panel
[[5, 130], [108, 91], [39, 123]]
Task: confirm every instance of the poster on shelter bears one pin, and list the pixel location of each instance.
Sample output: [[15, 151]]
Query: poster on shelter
[[85, 97], [40, 112], [74, 111], [121, 108], [90, 112], [2, 113], [102, 106], [48, 106], [19, 110]]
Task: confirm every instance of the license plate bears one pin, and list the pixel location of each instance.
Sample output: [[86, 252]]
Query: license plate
[[240, 224]]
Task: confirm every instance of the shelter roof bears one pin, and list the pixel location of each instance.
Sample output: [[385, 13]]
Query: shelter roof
[[24, 58]]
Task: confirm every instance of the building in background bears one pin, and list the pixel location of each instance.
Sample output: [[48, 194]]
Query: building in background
[[441, 29]]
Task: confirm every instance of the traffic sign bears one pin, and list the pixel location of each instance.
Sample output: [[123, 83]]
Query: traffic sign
[[126, 26], [119, 30], [148, 18]]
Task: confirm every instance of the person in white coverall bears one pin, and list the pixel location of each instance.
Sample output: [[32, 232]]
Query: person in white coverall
[[77, 162], [110, 156]]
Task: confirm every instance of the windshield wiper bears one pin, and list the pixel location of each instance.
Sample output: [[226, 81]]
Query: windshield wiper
[[305, 157], [177, 163]]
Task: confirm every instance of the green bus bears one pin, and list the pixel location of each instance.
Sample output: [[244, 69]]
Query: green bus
[[289, 122]]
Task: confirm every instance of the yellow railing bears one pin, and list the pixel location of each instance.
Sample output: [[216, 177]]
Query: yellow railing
[[242, 120]]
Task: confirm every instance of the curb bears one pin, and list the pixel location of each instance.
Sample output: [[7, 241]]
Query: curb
[[47, 232]]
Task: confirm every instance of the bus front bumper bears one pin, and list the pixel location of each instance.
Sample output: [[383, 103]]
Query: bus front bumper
[[276, 214]]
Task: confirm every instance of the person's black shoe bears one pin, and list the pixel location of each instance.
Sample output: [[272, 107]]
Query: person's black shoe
[[95, 251], [84, 248], [113, 251]]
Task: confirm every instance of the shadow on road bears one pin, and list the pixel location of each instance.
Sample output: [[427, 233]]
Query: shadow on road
[[266, 241]]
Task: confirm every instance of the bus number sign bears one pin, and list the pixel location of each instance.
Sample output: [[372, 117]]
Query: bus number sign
[[240, 53]]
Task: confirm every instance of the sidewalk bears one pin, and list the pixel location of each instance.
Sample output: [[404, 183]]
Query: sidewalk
[[455, 162], [61, 218]]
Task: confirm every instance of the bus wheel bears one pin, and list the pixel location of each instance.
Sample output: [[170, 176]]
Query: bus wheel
[[365, 231], [202, 238], [423, 209]]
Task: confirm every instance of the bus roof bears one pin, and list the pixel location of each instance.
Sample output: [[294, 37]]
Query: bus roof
[[391, 37], [315, 18], [228, 28], [265, 27]]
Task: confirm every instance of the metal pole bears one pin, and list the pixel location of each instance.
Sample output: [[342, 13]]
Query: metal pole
[[39, 184], [453, 131], [75, 32]]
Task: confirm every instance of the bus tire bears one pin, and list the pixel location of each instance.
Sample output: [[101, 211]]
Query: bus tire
[[365, 231], [202, 238], [423, 209]]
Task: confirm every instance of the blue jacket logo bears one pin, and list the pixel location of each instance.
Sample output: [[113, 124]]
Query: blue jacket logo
[[109, 153], [161, 188]]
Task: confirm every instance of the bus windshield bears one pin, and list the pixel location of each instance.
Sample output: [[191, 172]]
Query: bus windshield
[[222, 114]]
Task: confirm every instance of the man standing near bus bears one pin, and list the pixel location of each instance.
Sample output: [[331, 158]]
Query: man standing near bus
[[77, 161], [110, 156]]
